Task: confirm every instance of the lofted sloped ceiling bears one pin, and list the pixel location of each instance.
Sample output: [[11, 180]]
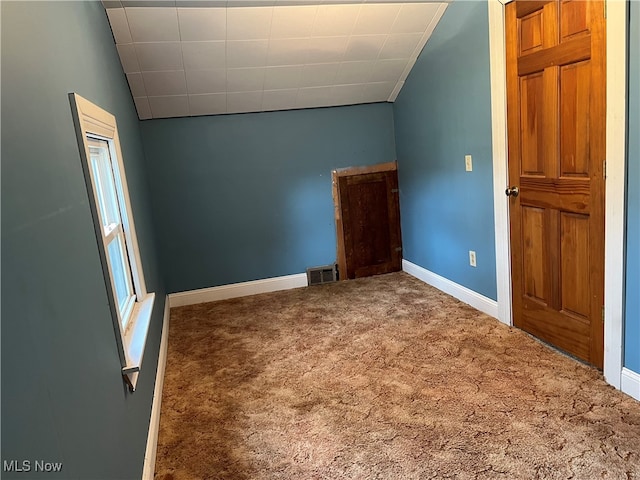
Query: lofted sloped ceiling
[[189, 58]]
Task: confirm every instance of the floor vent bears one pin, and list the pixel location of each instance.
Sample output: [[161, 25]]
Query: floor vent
[[320, 275]]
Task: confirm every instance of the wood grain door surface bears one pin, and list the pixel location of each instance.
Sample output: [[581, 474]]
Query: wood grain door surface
[[556, 133], [368, 220]]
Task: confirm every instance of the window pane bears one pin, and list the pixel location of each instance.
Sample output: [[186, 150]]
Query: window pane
[[105, 184], [120, 271]]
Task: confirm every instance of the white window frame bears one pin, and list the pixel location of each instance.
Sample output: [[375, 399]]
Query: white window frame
[[130, 323], [115, 229]]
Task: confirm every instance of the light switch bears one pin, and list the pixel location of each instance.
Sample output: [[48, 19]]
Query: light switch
[[468, 163]]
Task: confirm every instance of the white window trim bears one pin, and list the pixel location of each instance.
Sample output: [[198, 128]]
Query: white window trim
[[92, 121]]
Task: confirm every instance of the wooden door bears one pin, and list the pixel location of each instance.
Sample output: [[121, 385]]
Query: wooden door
[[556, 130], [367, 220]]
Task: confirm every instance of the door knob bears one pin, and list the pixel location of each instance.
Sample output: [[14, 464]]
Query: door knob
[[512, 191]]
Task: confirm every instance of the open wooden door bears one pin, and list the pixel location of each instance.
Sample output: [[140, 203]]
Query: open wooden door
[[367, 220], [556, 130]]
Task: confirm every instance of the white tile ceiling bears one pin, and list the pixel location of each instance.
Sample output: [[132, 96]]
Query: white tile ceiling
[[187, 58]]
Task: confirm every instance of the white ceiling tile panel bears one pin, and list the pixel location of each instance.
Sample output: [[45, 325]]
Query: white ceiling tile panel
[[167, 107], [159, 56], [279, 78], [318, 75], [287, 51], [136, 84], [292, 22], [279, 99], [313, 97], [165, 83], [401, 45], [245, 79], [244, 102], [208, 57], [354, 72], [335, 20], [203, 55], [414, 17], [206, 81], [326, 49], [377, 92], [153, 24], [209, 104], [247, 53], [119, 25], [376, 18], [387, 70], [128, 57], [364, 47], [142, 107], [202, 24], [249, 23], [347, 94]]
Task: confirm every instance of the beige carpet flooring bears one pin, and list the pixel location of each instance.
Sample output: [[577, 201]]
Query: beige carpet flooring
[[380, 378]]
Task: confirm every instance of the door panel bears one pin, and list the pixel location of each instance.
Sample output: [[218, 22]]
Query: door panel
[[556, 128], [575, 264], [367, 214], [531, 33], [575, 84], [574, 18], [532, 161], [533, 235]]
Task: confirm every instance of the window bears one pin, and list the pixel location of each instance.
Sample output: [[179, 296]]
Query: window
[[130, 303], [107, 192]]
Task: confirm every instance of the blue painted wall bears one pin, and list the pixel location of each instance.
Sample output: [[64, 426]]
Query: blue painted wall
[[63, 397], [632, 311], [442, 113], [245, 197]]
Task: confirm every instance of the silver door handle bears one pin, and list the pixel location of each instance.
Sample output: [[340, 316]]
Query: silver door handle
[[512, 192]]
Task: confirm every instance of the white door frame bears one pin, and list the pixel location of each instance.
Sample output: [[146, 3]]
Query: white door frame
[[616, 11]]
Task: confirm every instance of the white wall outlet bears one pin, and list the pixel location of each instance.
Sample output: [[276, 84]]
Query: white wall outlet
[[472, 258], [468, 164]]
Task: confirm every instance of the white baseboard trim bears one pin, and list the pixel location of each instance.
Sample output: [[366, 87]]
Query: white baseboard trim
[[234, 290], [630, 383], [154, 422], [477, 301]]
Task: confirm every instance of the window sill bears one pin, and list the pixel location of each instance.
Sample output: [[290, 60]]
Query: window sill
[[135, 338]]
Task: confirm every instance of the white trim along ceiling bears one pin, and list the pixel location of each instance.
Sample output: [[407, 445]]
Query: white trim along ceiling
[[189, 58]]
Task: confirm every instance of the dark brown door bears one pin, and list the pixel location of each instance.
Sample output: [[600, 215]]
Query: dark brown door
[[556, 124], [368, 221]]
